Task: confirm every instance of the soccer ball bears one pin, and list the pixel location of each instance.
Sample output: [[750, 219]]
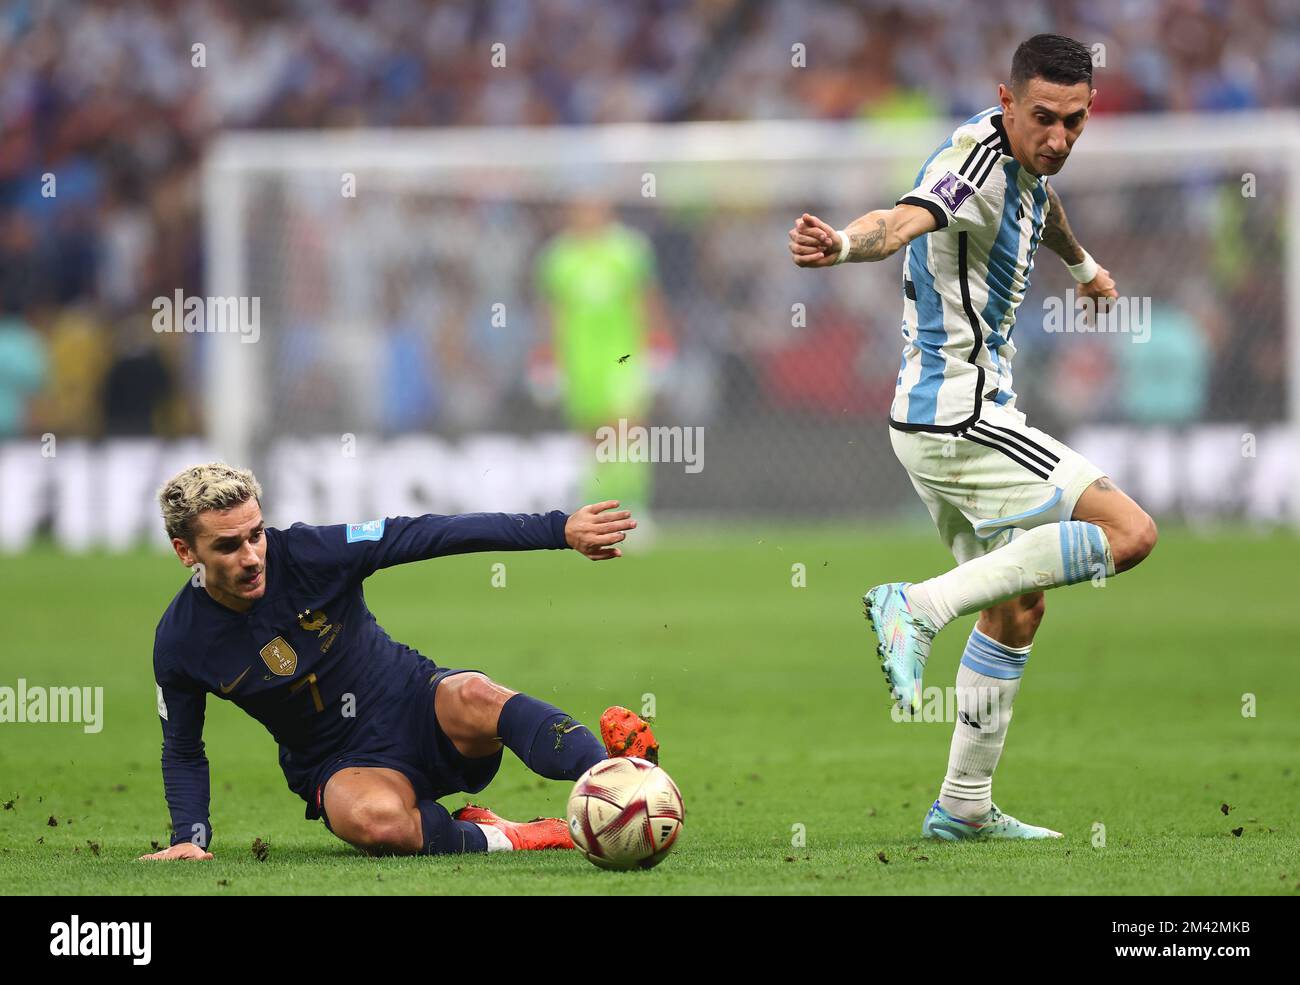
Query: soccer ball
[[625, 814]]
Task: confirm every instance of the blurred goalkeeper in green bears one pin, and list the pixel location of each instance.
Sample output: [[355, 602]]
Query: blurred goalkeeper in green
[[596, 280]]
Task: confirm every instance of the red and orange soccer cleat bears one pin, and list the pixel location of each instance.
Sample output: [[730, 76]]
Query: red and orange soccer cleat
[[542, 832], [625, 733]]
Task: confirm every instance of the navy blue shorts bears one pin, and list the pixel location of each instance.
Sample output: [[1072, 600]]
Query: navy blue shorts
[[405, 736]]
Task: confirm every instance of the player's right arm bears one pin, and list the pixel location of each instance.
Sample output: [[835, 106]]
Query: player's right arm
[[873, 236], [959, 189], [333, 556], [181, 707]]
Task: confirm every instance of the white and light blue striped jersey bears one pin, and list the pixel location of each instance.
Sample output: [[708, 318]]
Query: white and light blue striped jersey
[[963, 282]]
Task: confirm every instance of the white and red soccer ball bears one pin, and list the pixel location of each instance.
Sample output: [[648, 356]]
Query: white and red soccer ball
[[625, 814]]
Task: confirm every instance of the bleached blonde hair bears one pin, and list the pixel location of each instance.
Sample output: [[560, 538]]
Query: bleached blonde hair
[[215, 486]]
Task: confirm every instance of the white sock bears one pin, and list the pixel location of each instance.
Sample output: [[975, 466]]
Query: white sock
[[496, 838], [988, 681], [1045, 557]]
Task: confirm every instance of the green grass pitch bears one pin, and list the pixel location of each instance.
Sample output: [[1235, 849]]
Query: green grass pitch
[[771, 711]]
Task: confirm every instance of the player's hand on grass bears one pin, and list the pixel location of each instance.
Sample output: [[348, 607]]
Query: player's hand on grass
[[1101, 289], [813, 243], [185, 850], [594, 532]]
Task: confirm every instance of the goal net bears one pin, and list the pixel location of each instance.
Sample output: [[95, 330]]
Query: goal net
[[404, 360]]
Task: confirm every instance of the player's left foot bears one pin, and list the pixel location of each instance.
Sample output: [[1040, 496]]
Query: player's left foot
[[903, 638], [542, 832], [625, 733], [994, 826]]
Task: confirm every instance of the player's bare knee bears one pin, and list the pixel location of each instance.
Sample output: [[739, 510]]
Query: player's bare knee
[[1133, 541], [1150, 534], [477, 694], [469, 707], [382, 826]]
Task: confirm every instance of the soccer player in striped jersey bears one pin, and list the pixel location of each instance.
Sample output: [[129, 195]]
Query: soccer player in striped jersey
[[1020, 511]]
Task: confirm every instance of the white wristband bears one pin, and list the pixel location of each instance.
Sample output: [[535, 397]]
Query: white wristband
[[844, 246], [1083, 271]]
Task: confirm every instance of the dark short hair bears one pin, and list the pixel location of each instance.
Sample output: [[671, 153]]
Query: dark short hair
[[1053, 58]]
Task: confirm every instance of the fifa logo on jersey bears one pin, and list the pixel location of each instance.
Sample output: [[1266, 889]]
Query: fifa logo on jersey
[[1124, 315], [280, 658]]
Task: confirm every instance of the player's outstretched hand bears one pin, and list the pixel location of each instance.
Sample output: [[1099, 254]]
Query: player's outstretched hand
[[593, 532], [1101, 289], [186, 850], [813, 243]]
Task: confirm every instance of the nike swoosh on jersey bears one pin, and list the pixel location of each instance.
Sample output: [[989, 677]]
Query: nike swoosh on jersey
[[227, 688]]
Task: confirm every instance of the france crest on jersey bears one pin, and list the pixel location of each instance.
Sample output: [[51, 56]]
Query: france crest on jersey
[[963, 282]]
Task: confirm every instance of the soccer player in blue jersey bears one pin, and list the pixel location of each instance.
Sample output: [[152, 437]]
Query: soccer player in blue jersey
[[1020, 511], [371, 733]]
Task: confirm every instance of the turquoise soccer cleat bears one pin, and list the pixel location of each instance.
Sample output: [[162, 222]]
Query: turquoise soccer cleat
[[996, 826], [903, 641]]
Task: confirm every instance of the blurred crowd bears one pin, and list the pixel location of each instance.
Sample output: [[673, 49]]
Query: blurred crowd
[[108, 106]]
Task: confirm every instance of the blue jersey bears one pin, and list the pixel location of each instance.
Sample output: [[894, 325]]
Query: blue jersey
[[963, 282], [307, 660]]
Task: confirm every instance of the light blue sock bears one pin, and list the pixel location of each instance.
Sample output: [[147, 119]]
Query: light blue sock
[[1085, 552]]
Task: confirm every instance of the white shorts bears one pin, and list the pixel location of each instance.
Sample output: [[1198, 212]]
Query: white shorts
[[997, 477]]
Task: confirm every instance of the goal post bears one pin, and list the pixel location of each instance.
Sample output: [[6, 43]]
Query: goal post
[[400, 320]]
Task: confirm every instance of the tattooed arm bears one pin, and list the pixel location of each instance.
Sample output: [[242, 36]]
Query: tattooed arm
[[1057, 235], [1059, 238], [874, 236]]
